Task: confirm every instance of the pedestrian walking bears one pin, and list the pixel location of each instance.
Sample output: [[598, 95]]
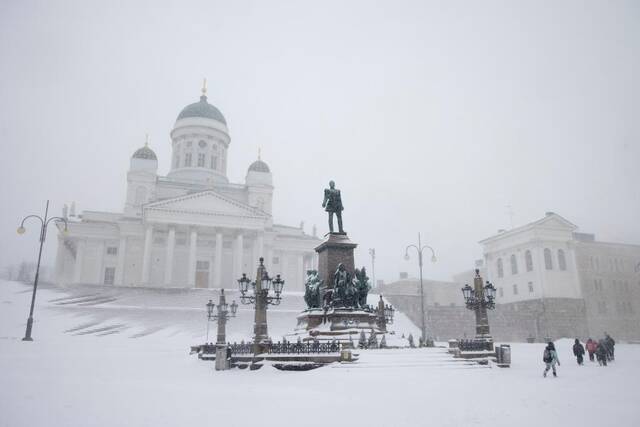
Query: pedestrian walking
[[601, 353], [550, 358], [578, 351], [591, 348], [610, 343]]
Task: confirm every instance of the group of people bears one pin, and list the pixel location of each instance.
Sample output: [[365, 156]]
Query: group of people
[[603, 350]]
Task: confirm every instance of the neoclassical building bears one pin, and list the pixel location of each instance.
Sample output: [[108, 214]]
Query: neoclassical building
[[191, 228]]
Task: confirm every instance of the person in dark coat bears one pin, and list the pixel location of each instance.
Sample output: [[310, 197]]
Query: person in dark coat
[[610, 343], [578, 351], [601, 353], [550, 358], [591, 348]]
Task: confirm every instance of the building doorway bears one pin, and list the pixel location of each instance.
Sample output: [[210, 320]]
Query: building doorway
[[202, 274]]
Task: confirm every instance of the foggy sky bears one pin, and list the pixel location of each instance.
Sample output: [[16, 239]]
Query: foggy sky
[[431, 117]]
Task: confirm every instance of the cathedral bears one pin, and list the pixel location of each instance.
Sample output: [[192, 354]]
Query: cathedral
[[191, 228]]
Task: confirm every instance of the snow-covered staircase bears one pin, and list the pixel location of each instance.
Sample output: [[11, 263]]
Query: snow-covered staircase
[[435, 357]]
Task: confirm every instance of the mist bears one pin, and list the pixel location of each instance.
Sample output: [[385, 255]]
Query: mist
[[452, 119]]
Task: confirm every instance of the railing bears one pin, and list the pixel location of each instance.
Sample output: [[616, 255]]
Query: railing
[[305, 348], [287, 348], [474, 345]]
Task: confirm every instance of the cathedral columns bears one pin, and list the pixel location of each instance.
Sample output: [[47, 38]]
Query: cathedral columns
[[168, 262], [217, 261], [77, 270], [99, 280], [238, 249], [258, 250], [191, 268], [299, 271], [122, 248], [268, 259], [146, 254]]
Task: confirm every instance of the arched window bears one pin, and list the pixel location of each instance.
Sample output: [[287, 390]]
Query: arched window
[[141, 195], [500, 267], [562, 261], [548, 262], [514, 264], [528, 260]]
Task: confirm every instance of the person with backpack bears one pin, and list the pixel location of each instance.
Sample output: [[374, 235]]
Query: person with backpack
[[591, 348], [550, 358], [578, 351], [610, 343], [601, 353]]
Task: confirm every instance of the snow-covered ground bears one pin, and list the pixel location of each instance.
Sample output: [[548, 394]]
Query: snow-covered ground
[[122, 360]]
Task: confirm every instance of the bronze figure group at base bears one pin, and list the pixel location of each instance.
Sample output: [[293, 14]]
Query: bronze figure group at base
[[346, 291]]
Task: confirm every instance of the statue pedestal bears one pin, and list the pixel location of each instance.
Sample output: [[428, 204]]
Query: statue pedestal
[[336, 248], [340, 324]]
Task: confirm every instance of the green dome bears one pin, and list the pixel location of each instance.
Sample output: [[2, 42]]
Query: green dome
[[202, 109], [145, 153], [259, 166]]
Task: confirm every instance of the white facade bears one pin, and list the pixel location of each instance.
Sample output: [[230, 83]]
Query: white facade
[[534, 261], [191, 228]]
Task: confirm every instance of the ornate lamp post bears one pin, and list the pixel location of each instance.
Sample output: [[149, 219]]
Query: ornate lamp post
[[259, 295], [44, 223], [420, 248], [385, 314], [222, 315], [480, 299]]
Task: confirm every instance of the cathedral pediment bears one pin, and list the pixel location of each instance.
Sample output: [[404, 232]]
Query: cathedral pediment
[[204, 203]]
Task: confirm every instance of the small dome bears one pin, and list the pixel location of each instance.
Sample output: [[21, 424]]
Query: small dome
[[144, 153], [202, 109], [259, 166]]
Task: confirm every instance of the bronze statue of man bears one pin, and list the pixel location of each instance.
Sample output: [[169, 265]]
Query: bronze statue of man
[[332, 203]]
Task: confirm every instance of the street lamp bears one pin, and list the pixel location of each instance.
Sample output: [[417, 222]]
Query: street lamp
[[480, 298], [419, 248], [384, 312], [44, 223], [259, 295], [222, 315]]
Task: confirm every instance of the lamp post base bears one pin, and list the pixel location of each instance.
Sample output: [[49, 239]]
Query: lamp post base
[[27, 334]]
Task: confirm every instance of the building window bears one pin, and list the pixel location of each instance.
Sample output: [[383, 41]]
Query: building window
[[200, 160], [530, 287], [202, 144], [275, 260], [515, 289], [214, 162], [187, 160], [109, 275], [528, 260], [562, 261], [514, 264], [112, 250], [500, 292], [597, 263], [500, 267], [548, 262], [591, 264], [202, 265]]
